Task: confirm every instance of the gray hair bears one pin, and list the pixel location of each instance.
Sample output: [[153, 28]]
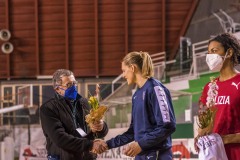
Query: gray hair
[[57, 76]]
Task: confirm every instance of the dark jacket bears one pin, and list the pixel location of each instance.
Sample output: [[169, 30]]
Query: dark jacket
[[60, 131]]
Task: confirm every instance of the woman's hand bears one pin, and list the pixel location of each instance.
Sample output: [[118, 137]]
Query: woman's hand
[[205, 131], [195, 144], [133, 149]]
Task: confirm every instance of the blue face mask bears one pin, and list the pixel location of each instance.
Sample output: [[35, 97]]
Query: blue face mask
[[71, 93]]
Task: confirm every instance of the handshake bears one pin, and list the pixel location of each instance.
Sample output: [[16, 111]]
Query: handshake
[[100, 146]]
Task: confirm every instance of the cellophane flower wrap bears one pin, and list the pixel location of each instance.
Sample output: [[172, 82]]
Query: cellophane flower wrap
[[97, 111], [207, 113]]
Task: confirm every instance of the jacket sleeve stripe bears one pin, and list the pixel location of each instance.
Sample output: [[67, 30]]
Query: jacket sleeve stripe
[[163, 105]]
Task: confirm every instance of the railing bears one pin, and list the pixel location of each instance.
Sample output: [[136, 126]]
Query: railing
[[115, 81], [199, 51], [198, 66]]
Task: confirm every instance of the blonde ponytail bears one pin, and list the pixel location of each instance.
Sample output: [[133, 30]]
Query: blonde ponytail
[[147, 65]]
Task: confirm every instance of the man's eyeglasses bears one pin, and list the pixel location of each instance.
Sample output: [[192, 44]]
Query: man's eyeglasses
[[70, 84]]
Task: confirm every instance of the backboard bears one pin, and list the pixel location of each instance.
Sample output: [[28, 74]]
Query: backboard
[[25, 95]]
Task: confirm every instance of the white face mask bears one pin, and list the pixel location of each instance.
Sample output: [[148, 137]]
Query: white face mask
[[215, 61]]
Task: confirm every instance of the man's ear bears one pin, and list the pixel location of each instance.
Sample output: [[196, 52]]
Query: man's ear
[[57, 90]]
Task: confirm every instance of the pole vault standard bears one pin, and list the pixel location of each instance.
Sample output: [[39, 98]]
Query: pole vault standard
[[29, 122], [10, 109], [14, 108], [32, 110]]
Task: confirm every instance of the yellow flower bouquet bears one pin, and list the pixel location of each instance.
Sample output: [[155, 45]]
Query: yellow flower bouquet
[[97, 111]]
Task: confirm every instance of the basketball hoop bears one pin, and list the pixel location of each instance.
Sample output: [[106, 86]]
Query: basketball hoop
[[32, 109]]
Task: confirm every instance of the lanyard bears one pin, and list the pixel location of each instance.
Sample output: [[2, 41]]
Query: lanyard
[[74, 113]]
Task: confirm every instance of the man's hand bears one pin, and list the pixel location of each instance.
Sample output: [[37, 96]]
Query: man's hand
[[99, 146], [96, 126], [133, 149]]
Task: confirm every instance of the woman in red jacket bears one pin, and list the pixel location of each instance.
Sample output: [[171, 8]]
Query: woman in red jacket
[[223, 55]]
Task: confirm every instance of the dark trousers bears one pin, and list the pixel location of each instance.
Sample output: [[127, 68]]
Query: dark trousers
[[156, 155]]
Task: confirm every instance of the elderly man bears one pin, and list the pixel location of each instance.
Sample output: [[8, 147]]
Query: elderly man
[[63, 121]]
